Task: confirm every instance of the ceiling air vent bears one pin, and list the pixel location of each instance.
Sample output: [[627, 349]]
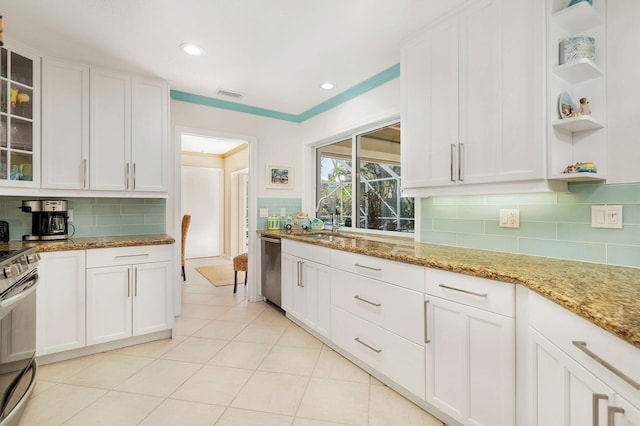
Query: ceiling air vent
[[231, 93]]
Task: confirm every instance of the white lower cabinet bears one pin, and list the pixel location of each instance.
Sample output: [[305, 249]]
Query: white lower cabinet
[[396, 357], [570, 387], [565, 393], [470, 352], [60, 301], [377, 316], [306, 287], [128, 299]]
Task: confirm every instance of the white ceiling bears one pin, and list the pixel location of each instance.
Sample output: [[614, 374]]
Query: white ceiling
[[276, 52]]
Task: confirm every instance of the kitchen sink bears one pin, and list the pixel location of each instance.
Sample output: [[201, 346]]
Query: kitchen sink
[[331, 237]]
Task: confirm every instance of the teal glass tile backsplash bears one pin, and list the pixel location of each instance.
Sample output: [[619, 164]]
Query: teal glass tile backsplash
[[292, 206], [551, 224], [95, 217]]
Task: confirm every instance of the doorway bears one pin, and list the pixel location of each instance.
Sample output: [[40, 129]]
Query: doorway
[[239, 212], [203, 199]]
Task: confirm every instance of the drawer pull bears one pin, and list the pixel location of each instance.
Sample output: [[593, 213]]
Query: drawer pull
[[131, 255], [611, 412], [596, 409], [583, 347], [473, 293], [367, 301], [368, 267], [357, 339]]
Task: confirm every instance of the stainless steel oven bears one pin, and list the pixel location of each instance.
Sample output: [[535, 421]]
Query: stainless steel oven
[[18, 367]]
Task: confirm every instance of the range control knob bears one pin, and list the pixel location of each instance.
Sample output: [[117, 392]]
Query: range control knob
[[11, 271], [33, 258]]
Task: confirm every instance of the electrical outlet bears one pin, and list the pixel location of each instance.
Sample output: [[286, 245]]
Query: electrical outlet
[[606, 217], [264, 212], [510, 218], [70, 215], [283, 211]]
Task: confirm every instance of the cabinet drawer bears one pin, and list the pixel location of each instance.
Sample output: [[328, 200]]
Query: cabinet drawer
[[402, 274], [562, 327], [128, 255], [395, 308], [397, 358], [307, 251], [493, 296]]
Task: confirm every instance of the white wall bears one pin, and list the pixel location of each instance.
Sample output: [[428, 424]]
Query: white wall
[[623, 91], [376, 106], [277, 140]]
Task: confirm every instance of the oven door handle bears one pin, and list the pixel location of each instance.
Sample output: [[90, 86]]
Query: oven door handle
[[8, 304]]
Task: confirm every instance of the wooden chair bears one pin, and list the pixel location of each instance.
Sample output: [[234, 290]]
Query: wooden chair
[[240, 263], [186, 221]]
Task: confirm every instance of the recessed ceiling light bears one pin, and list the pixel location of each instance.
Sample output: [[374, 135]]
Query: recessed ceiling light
[[192, 49], [327, 85]]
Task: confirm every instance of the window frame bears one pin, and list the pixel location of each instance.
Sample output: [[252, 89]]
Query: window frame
[[355, 183]]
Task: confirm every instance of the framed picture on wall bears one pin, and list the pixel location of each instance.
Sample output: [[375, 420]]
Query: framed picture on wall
[[279, 177]]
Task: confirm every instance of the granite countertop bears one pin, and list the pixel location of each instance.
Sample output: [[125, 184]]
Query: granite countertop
[[608, 296], [83, 243]]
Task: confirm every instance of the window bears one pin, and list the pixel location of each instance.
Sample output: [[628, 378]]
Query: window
[[369, 198]]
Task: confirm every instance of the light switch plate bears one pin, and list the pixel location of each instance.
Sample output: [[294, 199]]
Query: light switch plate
[[510, 218], [283, 211], [264, 212], [606, 217]]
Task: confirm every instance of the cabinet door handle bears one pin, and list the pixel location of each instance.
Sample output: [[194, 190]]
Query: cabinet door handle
[[460, 168], [367, 267], [367, 301], [451, 155], [357, 339], [463, 291], [595, 407], [129, 284], [134, 176], [130, 255], [135, 282], [583, 347], [126, 176], [84, 173], [426, 331], [611, 412], [300, 262]]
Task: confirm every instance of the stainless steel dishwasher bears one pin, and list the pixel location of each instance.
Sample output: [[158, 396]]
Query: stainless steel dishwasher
[[270, 269]]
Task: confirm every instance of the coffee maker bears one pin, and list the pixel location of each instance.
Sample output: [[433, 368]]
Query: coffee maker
[[48, 219]]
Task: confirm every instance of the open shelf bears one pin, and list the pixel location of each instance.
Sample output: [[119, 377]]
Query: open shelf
[[578, 71], [578, 124], [578, 18], [579, 177]]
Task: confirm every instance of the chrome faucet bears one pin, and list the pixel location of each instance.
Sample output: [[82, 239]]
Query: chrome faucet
[[330, 206]]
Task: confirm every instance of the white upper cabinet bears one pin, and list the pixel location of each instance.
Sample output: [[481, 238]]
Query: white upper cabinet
[[19, 118], [472, 96], [103, 130], [429, 126], [149, 143], [65, 125], [110, 130]]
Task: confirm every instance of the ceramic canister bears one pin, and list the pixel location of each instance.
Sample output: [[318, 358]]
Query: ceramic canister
[[575, 48]]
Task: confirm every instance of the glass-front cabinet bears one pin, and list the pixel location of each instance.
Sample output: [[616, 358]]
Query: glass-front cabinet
[[19, 118]]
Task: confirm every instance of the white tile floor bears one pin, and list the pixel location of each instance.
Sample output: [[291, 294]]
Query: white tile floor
[[230, 363]]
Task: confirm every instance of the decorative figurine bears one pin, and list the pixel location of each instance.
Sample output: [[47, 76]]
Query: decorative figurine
[[585, 109]]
